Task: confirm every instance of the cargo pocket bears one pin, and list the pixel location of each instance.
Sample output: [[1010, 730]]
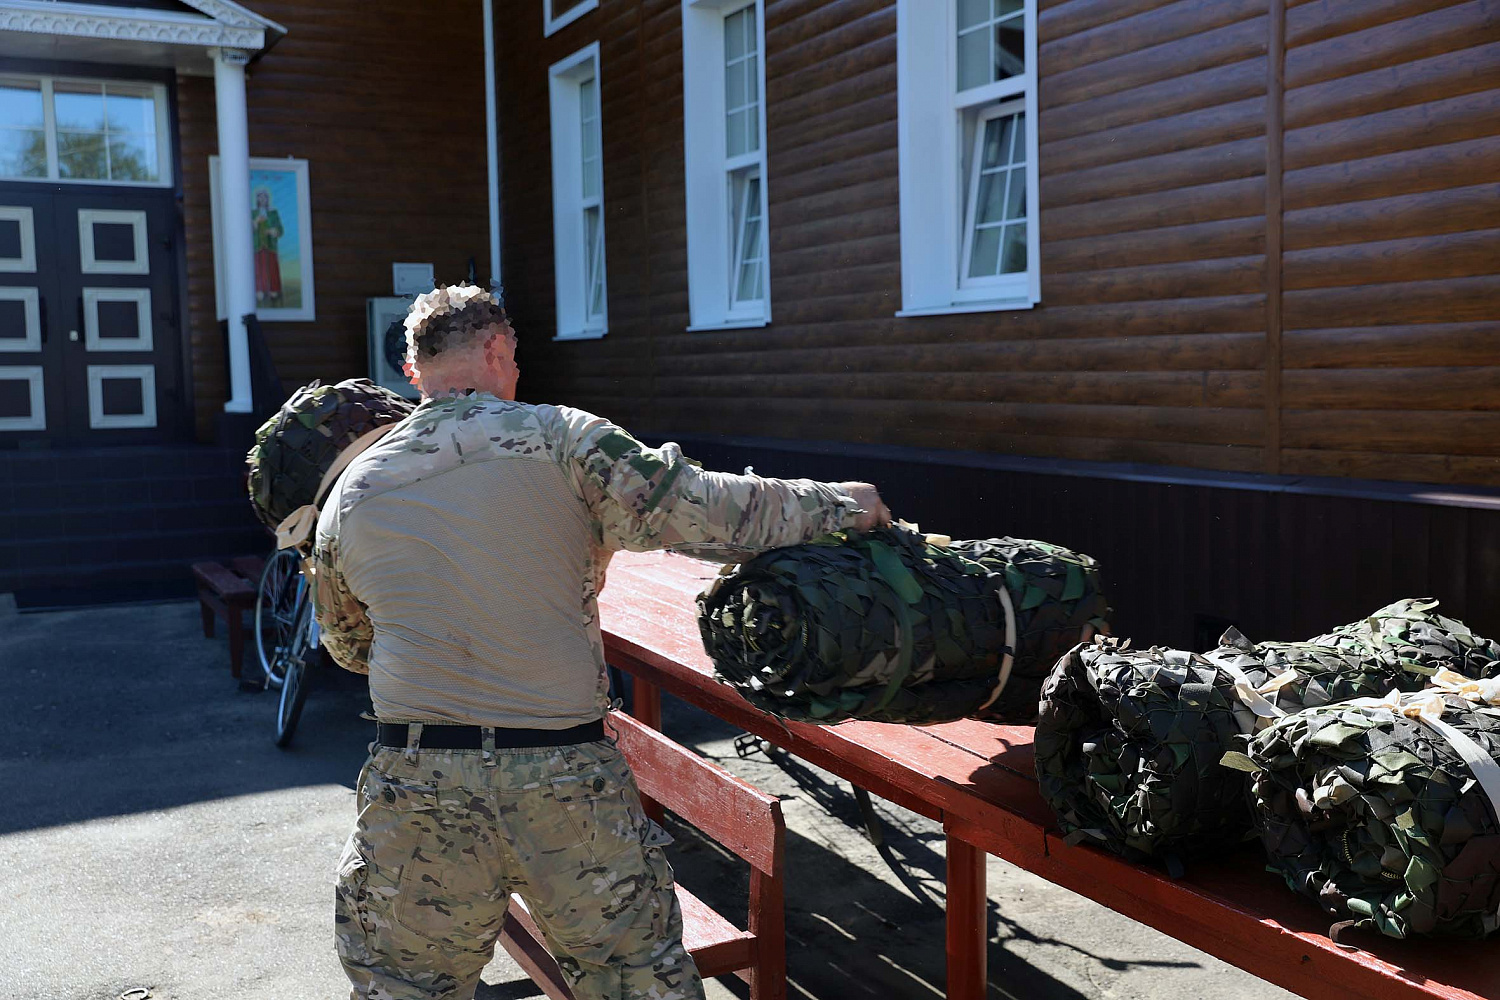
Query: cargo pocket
[[602, 808], [362, 900]]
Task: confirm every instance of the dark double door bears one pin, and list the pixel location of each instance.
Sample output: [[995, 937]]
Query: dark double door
[[90, 340]]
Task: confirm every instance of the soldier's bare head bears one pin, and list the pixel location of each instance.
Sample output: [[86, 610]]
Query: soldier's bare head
[[458, 338]]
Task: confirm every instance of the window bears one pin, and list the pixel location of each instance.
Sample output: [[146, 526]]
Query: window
[[558, 14], [91, 131], [724, 135], [967, 104], [578, 196]]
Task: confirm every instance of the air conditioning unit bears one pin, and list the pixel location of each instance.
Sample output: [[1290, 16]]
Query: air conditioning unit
[[387, 332]]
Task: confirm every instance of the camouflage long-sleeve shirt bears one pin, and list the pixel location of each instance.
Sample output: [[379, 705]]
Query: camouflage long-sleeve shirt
[[459, 559]]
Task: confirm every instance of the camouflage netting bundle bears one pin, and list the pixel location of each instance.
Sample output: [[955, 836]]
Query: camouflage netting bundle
[[300, 441], [889, 627], [1125, 744], [1374, 813], [1410, 636], [1128, 747]]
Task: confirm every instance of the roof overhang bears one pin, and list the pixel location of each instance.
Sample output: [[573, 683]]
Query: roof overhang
[[137, 36]]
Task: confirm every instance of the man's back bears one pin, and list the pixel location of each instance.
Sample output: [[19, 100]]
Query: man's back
[[472, 562], [459, 559]]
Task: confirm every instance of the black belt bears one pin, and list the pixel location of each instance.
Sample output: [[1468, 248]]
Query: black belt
[[437, 736]]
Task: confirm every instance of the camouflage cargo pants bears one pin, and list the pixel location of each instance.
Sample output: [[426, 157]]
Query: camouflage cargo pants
[[442, 841]]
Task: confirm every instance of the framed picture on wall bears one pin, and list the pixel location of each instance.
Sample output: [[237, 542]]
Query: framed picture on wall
[[281, 226]]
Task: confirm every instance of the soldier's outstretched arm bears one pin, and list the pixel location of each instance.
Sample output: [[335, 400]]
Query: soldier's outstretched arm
[[650, 498]]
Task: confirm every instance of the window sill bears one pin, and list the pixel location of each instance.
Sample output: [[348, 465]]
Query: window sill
[[581, 335], [730, 324], [998, 305]]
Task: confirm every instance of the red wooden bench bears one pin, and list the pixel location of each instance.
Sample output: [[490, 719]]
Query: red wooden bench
[[738, 816], [227, 592], [977, 779]]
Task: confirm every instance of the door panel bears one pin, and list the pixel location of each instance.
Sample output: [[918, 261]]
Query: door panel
[[33, 407], [116, 284]]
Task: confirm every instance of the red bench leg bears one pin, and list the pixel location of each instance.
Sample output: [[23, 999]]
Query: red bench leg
[[208, 616], [646, 706], [968, 921], [768, 924]]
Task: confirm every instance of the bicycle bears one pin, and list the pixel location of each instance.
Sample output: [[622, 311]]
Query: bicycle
[[284, 622]]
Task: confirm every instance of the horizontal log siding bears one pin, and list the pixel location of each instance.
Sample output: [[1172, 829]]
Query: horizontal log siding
[[386, 102], [1392, 241], [1150, 341]]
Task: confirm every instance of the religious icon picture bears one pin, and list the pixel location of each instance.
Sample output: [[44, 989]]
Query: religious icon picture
[[281, 231]]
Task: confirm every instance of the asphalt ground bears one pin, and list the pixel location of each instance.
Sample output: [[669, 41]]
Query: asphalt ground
[[152, 838]]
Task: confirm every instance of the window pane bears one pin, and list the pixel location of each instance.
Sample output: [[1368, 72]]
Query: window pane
[[752, 77], [735, 95], [132, 158], [737, 143], [1015, 249], [1004, 7], [972, 12], [997, 133], [1018, 154], [991, 194], [1010, 48], [82, 155], [21, 104], [986, 253], [1015, 201], [79, 106], [23, 152], [749, 284], [592, 252], [128, 109], [973, 59], [734, 34]]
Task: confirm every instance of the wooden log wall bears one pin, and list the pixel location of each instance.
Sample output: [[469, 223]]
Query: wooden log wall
[[1354, 141], [386, 102]]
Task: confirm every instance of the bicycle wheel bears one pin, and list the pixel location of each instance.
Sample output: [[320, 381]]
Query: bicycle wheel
[[275, 606], [294, 683]]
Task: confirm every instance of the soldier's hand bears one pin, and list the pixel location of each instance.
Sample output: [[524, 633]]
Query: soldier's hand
[[876, 513]]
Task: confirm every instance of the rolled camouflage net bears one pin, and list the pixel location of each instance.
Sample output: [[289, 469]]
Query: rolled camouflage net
[[1125, 743], [1411, 636], [887, 626], [1371, 809], [300, 441], [1128, 745]]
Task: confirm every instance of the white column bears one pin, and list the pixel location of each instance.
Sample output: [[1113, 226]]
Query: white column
[[492, 140], [236, 239]]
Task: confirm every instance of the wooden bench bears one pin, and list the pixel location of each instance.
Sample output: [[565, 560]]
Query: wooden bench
[[227, 592], [978, 780], [738, 816]]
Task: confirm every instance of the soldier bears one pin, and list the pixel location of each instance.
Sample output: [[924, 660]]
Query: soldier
[[457, 563]]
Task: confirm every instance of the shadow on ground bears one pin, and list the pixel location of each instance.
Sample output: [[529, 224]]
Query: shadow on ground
[[128, 708]]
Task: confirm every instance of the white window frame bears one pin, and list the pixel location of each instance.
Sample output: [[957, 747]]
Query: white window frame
[[936, 149], [712, 236], [552, 25], [49, 124], [570, 248]]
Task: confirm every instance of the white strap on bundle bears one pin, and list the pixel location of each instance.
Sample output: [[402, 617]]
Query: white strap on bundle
[[1009, 659], [297, 527], [1253, 696], [1427, 706]]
